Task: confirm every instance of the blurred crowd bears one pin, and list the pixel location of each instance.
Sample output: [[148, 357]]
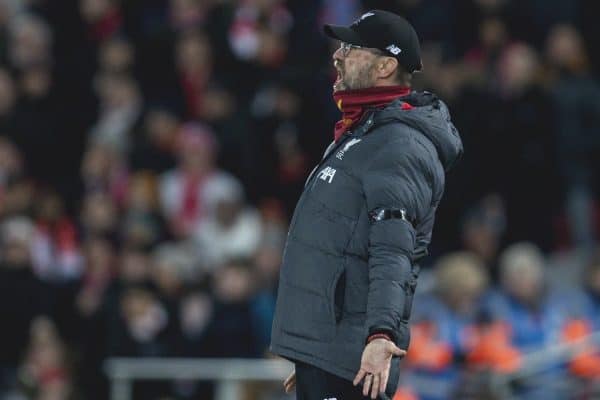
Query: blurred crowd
[[152, 151]]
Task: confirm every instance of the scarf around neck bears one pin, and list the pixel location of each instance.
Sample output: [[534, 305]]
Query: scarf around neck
[[354, 103]]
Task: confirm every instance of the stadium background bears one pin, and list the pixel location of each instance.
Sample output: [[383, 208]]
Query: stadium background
[[151, 153]]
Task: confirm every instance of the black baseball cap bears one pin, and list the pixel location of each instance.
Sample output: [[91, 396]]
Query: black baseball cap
[[385, 31]]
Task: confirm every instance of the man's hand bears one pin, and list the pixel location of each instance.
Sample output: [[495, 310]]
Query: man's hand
[[290, 382], [375, 366]]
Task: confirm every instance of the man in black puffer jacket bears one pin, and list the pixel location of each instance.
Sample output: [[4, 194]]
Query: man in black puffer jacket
[[364, 219]]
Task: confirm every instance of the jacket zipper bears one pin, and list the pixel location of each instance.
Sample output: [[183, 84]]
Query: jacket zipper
[[311, 176]]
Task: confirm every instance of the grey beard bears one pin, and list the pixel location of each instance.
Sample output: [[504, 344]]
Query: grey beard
[[362, 80]]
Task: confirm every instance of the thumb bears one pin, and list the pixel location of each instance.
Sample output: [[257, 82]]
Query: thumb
[[395, 350]]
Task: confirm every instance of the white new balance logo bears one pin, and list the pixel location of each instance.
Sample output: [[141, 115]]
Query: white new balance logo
[[327, 174], [365, 15], [395, 50]]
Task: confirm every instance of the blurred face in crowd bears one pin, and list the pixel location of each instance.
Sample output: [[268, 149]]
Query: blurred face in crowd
[[10, 159], [166, 275], [196, 150], [195, 310], [161, 128], [481, 239], [518, 66], [355, 68], [36, 82], [565, 48], [461, 279], [117, 91], [30, 41], [522, 278], [94, 10], [134, 266], [18, 197], [142, 194], [143, 313], [100, 257], [97, 163], [99, 213], [16, 253], [194, 54], [50, 207], [186, 13], [492, 33], [116, 55], [232, 283]]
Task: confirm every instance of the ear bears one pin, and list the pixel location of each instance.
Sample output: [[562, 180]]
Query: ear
[[386, 67]]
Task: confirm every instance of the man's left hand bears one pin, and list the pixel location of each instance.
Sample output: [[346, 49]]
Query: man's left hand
[[375, 366]]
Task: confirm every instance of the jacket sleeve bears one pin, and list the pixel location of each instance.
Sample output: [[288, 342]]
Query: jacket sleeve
[[396, 179]]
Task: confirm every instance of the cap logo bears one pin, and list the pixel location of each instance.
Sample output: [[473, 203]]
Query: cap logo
[[365, 15], [395, 50]]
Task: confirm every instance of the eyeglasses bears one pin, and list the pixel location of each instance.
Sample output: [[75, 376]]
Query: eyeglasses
[[346, 47]]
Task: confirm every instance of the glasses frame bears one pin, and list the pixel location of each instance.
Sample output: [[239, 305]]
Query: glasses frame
[[346, 47]]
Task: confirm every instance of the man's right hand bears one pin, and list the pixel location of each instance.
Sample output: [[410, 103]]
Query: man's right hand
[[290, 382]]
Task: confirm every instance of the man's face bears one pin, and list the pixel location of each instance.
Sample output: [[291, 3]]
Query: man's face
[[355, 68]]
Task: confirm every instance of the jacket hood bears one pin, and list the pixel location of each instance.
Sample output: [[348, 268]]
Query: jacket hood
[[430, 116]]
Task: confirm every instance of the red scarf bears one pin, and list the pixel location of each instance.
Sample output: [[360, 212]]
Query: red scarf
[[354, 103]]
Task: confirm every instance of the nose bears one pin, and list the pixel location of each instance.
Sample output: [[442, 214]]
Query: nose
[[337, 55]]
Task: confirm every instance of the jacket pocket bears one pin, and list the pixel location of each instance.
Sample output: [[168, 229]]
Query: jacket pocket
[[338, 294], [306, 297], [306, 314]]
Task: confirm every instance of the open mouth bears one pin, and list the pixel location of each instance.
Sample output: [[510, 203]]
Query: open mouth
[[339, 77]]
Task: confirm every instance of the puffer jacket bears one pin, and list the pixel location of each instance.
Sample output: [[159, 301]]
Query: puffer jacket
[[360, 226]]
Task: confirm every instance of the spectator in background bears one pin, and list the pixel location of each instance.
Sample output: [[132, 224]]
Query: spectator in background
[[22, 295], [196, 314], [194, 60], [173, 266], [233, 230], [99, 216], [584, 321], [103, 169], [234, 289], [8, 98], [99, 272], [56, 249], [155, 144], [11, 167], [144, 329], [102, 17], [482, 231], [142, 225], [443, 325], [532, 312], [18, 197], [188, 14], [185, 190], [576, 97], [45, 371], [120, 111], [258, 30], [30, 41], [116, 56], [143, 332]]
